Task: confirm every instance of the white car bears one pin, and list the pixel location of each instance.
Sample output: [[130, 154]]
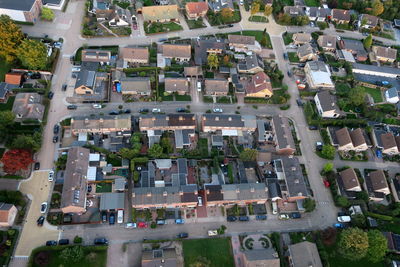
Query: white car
[[283, 217], [344, 219], [200, 199], [218, 110], [156, 110], [97, 106], [130, 226], [241, 2], [43, 207], [199, 86], [51, 176]]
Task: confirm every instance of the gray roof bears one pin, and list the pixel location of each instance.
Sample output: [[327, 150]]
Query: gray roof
[[247, 191], [295, 181], [378, 69], [23, 5], [137, 84], [120, 184], [202, 46], [251, 62], [305, 254], [231, 120], [217, 5], [327, 101], [112, 201], [392, 92], [217, 140], [353, 45], [283, 132], [261, 130], [274, 190], [269, 257], [5, 206], [86, 78]]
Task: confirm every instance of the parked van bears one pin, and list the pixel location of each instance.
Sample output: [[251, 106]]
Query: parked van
[[120, 216], [274, 207]]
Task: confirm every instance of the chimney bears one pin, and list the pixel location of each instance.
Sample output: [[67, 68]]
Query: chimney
[[230, 119], [165, 193], [296, 181], [181, 193], [148, 194], [293, 168], [196, 192]]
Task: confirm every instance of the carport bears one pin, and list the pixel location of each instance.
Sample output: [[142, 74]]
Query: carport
[[112, 201]]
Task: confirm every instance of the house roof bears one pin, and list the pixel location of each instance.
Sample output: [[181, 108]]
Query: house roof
[[385, 52], [216, 85], [107, 14], [341, 14], [154, 13], [218, 5], [13, 78], [388, 140], [112, 201], [295, 182], [95, 55], [176, 50], [262, 257], [28, 106], [305, 254], [327, 41], [231, 120], [176, 84], [378, 69], [214, 192], [251, 191], [352, 45], [193, 71], [259, 82], [370, 20], [349, 178], [357, 137], [343, 137], [203, 46], [134, 53], [88, 123], [136, 84], [196, 7], [302, 37], [294, 11], [241, 39], [305, 50], [283, 132], [378, 180], [327, 101], [251, 62], [158, 121], [22, 5], [319, 72], [4, 211]]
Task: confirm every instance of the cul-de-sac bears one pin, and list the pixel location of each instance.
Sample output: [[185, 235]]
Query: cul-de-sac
[[200, 133]]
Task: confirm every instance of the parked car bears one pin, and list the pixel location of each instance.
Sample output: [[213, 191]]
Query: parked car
[[51, 176], [40, 221], [101, 241], [35, 75], [217, 110], [160, 222], [55, 139], [344, 219], [180, 110], [50, 95], [274, 207], [97, 106], [299, 102], [72, 107], [63, 242], [142, 225], [327, 184], [113, 112], [212, 232], [283, 216], [120, 216], [261, 217], [313, 127], [295, 215], [199, 86], [241, 2], [230, 25], [319, 146], [285, 56], [37, 166], [339, 225], [51, 243], [130, 225], [182, 235], [43, 207], [289, 73], [112, 218], [301, 65], [244, 218], [56, 129], [64, 87], [104, 216], [379, 154], [89, 188], [127, 111], [231, 218], [179, 221], [156, 110], [143, 110], [200, 200]]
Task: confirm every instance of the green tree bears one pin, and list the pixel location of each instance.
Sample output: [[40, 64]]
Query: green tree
[[357, 96], [47, 14], [200, 262], [72, 254], [368, 41], [353, 244], [127, 153], [30, 142], [302, 20], [309, 204], [155, 151], [284, 18], [328, 152], [6, 119], [255, 7], [377, 246], [226, 14], [267, 10], [213, 61], [166, 145], [328, 167], [377, 8], [10, 38], [136, 176], [342, 202], [359, 221], [32, 54], [264, 40], [248, 154]]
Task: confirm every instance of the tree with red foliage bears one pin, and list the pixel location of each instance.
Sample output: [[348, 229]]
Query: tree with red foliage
[[16, 159]]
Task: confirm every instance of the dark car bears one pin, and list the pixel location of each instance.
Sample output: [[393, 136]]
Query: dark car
[[40, 221], [180, 110], [50, 95], [244, 218], [313, 127], [112, 218], [182, 235], [301, 65], [35, 75], [230, 25], [89, 188], [113, 112], [231, 218], [64, 87], [285, 56], [289, 73], [299, 102], [63, 242], [37, 166], [127, 111], [295, 215], [55, 139], [51, 243], [104, 216], [101, 241], [261, 217], [72, 107], [144, 110], [56, 129]]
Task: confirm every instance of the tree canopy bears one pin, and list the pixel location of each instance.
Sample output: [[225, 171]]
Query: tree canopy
[[213, 61], [47, 14], [353, 244], [255, 7], [309, 204], [357, 95], [155, 151], [328, 151], [10, 38], [32, 54], [226, 13], [16, 159], [377, 246], [377, 8], [368, 41], [248, 154], [30, 142], [267, 10]]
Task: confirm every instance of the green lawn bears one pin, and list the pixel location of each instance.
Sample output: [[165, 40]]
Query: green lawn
[[103, 187], [218, 251], [344, 26], [258, 19], [8, 105], [257, 34], [202, 145], [92, 257], [195, 24], [287, 38], [158, 27], [311, 2], [375, 93], [293, 57], [183, 98], [4, 68]]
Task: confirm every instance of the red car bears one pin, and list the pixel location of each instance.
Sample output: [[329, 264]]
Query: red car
[[326, 183], [142, 225]]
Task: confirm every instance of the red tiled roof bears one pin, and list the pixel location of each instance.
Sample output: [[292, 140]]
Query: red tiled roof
[[13, 78], [196, 7]]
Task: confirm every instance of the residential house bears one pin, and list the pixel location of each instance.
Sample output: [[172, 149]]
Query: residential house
[[133, 56], [367, 21], [101, 124], [165, 13], [94, 55], [261, 257], [218, 5], [216, 87], [119, 19], [340, 16], [355, 47], [326, 105], [392, 95], [389, 145], [177, 85], [282, 135], [381, 71], [14, 78], [294, 11], [377, 185], [5, 90], [348, 181], [104, 14], [112, 202], [204, 47], [230, 125], [8, 212], [318, 75], [301, 38], [251, 64], [166, 257], [351, 140], [73, 199], [384, 54], [21, 10], [393, 244], [195, 10], [193, 72], [304, 254], [259, 86], [178, 52], [243, 43], [306, 52], [318, 14], [137, 86], [91, 85], [54, 4], [327, 42], [28, 106]]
